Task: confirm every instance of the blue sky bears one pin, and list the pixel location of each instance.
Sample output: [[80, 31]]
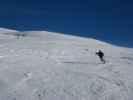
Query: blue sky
[[107, 20]]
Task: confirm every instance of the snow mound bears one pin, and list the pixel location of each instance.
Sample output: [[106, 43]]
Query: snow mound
[[42, 65]]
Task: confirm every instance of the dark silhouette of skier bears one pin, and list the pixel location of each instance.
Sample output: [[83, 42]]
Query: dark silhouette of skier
[[101, 55]]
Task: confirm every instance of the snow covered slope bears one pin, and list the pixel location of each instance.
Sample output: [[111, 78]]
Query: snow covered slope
[[51, 66], [4, 30]]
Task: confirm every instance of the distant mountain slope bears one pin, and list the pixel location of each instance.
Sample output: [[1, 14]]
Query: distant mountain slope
[[51, 66], [4, 30]]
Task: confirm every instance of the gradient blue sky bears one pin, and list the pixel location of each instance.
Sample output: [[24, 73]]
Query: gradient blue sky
[[107, 20]]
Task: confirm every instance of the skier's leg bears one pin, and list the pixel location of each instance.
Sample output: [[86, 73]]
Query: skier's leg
[[102, 60]]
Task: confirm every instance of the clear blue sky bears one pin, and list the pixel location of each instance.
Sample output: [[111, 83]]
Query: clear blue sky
[[107, 20]]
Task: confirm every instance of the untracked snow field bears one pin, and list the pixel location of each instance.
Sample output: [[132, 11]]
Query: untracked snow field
[[39, 65]]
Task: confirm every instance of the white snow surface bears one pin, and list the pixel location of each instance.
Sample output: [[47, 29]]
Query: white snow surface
[[51, 66]]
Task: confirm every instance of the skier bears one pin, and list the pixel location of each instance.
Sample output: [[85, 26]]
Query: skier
[[101, 55]]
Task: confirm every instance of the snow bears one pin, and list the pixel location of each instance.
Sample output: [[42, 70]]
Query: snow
[[4, 30], [51, 66]]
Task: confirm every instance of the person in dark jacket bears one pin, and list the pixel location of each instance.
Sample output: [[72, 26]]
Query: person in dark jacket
[[101, 55]]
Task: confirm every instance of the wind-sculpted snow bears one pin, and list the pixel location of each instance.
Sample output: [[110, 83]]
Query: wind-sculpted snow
[[52, 66]]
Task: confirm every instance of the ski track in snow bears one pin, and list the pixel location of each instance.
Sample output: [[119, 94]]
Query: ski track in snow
[[51, 66]]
